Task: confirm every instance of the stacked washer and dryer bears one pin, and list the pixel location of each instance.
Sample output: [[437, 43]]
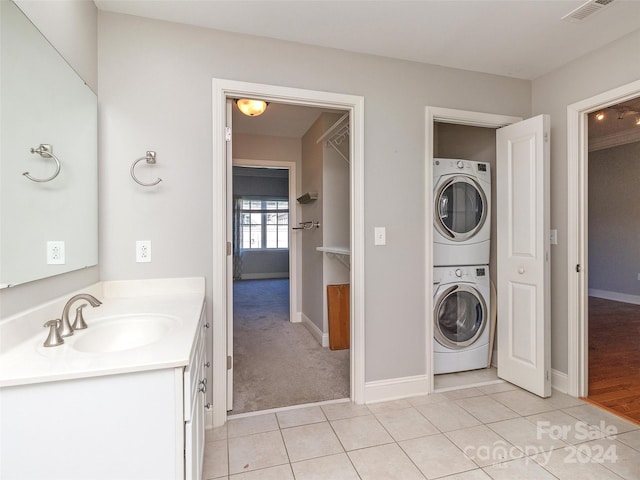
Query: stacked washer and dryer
[[461, 249]]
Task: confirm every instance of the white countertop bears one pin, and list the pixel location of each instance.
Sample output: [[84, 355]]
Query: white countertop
[[24, 359]]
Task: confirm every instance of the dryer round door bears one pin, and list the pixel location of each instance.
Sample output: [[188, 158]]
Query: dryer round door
[[461, 208], [460, 316]]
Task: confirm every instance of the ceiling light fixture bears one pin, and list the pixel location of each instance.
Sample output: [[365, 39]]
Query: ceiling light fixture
[[638, 119], [251, 107], [600, 116]]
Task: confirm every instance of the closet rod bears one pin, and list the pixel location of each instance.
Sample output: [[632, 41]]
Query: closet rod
[[333, 127]]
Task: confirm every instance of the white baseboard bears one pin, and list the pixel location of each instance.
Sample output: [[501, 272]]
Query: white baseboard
[[615, 296], [395, 388], [297, 318], [322, 338], [264, 276], [559, 381]]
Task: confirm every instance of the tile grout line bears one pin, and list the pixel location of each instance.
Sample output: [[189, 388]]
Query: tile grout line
[[527, 418]]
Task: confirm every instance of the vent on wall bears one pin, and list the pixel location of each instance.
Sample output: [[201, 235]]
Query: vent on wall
[[583, 11]]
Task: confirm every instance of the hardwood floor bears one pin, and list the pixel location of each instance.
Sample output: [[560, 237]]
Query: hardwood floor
[[614, 356]]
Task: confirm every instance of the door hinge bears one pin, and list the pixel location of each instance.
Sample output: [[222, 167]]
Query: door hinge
[[546, 136], [229, 362], [547, 375], [229, 249], [227, 134], [578, 268]]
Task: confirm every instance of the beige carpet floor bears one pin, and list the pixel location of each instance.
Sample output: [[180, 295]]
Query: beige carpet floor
[[278, 363]]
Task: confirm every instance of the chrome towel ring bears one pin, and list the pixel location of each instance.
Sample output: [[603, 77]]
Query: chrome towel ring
[[45, 151], [150, 157]]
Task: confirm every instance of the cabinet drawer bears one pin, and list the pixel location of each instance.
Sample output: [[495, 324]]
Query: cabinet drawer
[[194, 375], [194, 441]]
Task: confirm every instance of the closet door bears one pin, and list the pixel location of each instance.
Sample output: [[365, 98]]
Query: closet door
[[523, 286]]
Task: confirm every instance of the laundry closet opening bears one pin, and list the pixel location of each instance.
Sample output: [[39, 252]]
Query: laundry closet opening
[[291, 240], [464, 254]]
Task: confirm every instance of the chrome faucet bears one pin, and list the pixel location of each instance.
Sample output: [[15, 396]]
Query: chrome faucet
[[65, 329]]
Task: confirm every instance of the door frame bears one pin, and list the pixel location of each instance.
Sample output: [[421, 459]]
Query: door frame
[[223, 89], [458, 117], [578, 229], [294, 211]]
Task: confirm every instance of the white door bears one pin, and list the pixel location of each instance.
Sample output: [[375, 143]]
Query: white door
[[229, 160], [523, 277]]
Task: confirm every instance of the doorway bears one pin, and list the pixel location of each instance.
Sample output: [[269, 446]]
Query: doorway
[[467, 310], [613, 309], [577, 232], [279, 356], [223, 90]]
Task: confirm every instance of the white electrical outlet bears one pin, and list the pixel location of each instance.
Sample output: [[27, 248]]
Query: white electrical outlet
[[55, 253], [143, 251]]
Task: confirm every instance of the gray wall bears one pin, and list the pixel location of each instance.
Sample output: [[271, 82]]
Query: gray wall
[[78, 45], [611, 66], [155, 93], [312, 297], [614, 219], [72, 28], [335, 214], [324, 172]]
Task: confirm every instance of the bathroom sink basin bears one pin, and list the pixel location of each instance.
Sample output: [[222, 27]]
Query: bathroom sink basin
[[123, 332]]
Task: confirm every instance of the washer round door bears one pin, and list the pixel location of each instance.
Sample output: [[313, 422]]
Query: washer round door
[[461, 208], [460, 316]]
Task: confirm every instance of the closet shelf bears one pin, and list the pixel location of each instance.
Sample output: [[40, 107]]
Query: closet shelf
[[334, 250], [341, 254]]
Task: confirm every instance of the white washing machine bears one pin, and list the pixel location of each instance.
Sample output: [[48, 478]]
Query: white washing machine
[[461, 306], [462, 216]]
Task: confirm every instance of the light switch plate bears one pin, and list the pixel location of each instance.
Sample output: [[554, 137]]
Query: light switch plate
[[553, 236], [379, 236]]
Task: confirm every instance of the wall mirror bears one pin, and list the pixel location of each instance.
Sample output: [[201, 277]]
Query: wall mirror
[[48, 120]]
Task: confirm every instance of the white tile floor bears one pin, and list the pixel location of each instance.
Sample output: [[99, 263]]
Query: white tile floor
[[488, 432]]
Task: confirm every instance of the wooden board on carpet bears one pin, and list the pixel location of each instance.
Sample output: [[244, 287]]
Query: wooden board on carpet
[[338, 312]]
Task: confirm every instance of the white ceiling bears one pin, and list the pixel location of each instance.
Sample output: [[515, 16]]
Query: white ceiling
[[517, 38]]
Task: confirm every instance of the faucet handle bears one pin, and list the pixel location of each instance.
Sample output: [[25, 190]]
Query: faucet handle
[[54, 338], [79, 323]]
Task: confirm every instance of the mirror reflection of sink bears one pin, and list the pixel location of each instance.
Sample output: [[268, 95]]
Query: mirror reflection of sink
[[123, 332]]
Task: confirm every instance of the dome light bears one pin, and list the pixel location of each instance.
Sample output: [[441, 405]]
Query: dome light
[[251, 107]]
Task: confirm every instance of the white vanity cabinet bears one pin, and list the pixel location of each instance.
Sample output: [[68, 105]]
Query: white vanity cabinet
[[134, 425]]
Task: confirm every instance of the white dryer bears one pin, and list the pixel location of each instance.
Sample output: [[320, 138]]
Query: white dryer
[[461, 306], [462, 217]]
